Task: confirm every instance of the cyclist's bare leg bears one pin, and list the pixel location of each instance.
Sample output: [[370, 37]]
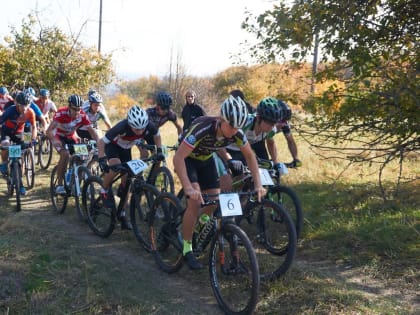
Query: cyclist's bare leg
[[111, 174], [61, 165], [190, 216], [4, 153]]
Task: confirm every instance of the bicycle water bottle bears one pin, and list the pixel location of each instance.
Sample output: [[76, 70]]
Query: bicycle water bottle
[[68, 176], [204, 218]]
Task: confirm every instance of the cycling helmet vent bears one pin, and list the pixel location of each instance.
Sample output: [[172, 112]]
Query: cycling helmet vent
[[75, 101], [137, 117], [234, 111]]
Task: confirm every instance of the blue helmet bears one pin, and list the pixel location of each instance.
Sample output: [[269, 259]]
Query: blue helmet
[[164, 100], [30, 90], [95, 98], [3, 90], [23, 98], [44, 92]]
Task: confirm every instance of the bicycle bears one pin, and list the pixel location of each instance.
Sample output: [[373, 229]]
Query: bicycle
[[284, 195], [13, 175], [101, 219], [75, 175], [92, 162], [43, 150], [159, 174], [270, 229], [233, 266], [28, 162]]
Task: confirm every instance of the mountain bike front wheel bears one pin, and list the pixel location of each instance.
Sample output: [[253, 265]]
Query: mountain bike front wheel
[[162, 179], [234, 273], [16, 182], [29, 168], [289, 200], [83, 175], [59, 201], [273, 236], [101, 219], [141, 202], [45, 151], [165, 219]]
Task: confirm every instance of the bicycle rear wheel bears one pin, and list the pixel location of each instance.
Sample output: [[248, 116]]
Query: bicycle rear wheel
[[290, 202], [45, 152], [101, 220], [165, 219], [273, 236], [233, 268], [16, 182], [29, 168], [59, 201], [140, 204], [162, 179]]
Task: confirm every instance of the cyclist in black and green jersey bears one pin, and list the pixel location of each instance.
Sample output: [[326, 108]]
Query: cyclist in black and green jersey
[[259, 127], [195, 167]]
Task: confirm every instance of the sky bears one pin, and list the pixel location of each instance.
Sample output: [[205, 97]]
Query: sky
[[141, 34]]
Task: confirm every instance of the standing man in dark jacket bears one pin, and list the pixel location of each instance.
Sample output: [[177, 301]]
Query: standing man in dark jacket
[[191, 109]]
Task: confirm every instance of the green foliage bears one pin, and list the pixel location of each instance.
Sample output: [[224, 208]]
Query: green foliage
[[371, 49], [50, 59]]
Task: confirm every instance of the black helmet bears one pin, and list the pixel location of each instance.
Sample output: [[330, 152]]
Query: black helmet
[[286, 112], [23, 98], [164, 100], [75, 101], [269, 109]]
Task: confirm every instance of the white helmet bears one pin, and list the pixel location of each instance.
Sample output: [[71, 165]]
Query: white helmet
[[234, 111], [137, 117]]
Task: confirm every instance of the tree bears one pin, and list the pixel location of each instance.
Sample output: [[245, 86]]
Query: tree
[[50, 59], [369, 52]]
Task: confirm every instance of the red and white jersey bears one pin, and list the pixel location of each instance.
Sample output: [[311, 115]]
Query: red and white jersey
[[46, 106], [4, 100], [67, 125]]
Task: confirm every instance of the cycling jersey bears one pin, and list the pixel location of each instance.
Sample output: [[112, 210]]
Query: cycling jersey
[[13, 122], [66, 124], [202, 138], [46, 106], [122, 134], [160, 120], [189, 113], [284, 126], [4, 100], [249, 130], [94, 117]]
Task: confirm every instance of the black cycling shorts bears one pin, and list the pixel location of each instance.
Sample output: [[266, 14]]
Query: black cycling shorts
[[203, 172], [114, 151]]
